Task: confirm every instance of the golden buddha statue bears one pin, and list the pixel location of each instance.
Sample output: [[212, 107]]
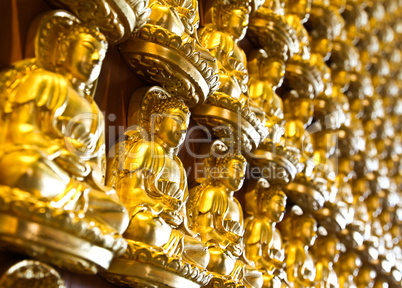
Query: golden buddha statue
[[326, 252], [297, 13], [53, 152], [226, 25], [216, 215], [266, 206], [347, 268], [266, 74], [356, 19], [324, 25], [300, 233], [151, 182]]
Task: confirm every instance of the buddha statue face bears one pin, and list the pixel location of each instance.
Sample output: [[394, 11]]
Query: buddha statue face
[[309, 229], [171, 127], [235, 22], [305, 228], [232, 174], [273, 206], [82, 55]]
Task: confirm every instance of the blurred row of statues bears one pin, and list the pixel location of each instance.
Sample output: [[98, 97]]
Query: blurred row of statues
[[301, 179]]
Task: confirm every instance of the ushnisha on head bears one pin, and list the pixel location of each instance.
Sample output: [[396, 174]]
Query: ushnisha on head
[[226, 166], [67, 46]]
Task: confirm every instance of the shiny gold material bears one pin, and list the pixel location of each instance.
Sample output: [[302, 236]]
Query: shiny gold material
[[217, 217], [325, 251], [299, 233], [166, 52], [52, 137], [347, 268], [30, 273], [262, 245], [116, 19], [229, 111], [151, 182]]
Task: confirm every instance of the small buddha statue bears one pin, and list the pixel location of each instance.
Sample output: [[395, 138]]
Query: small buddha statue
[[266, 74], [324, 25], [347, 268], [227, 25], [216, 215], [260, 238], [151, 181], [297, 12], [325, 251], [53, 151], [300, 236]]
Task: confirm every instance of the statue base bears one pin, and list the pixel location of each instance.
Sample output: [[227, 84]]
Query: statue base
[[54, 235], [163, 58], [305, 194], [144, 266], [278, 164], [330, 218]]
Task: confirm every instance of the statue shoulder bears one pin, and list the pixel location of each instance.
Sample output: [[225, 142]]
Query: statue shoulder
[[133, 153], [145, 155], [212, 38], [258, 230], [213, 199], [25, 81]]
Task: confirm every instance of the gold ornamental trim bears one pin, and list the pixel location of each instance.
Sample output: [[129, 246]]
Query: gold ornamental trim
[[144, 265], [305, 196], [228, 124], [44, 242], [116, 19], [161, 57]]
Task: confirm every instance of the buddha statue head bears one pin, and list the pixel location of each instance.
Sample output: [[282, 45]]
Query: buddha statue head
[[271, 32], [304, 227], [266, 67], [344, 58], [356, 19], [165, 119], [366, 277], [375, 12], [368, 45], [74, 50], [271, 202], [327, 246], [232, 17], [226, 166]]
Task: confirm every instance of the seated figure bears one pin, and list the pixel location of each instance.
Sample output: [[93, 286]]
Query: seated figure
[[52, 146], [151, 181], [266, 74], [261, 238], [300, 233], [216, 215], [326, 251], [227, 25]]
